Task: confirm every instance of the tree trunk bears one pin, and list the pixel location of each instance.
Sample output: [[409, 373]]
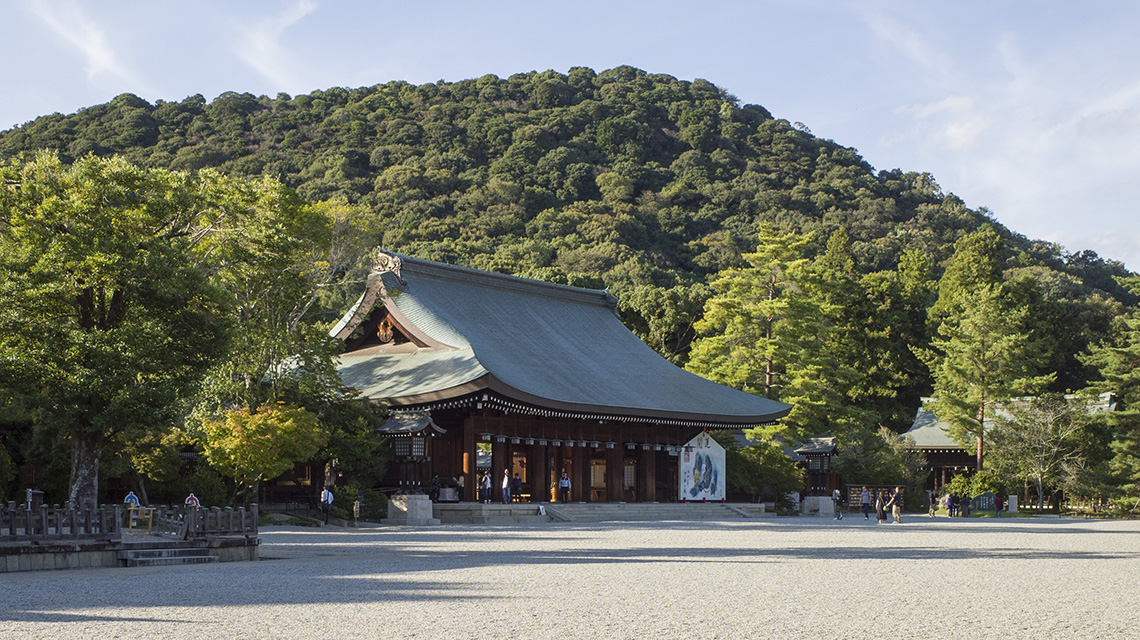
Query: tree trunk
[[980, 453], [1040, 495], [85, 452], [140, 485]]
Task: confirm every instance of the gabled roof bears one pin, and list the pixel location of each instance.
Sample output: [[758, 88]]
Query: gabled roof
[[527, 345], [817, 446], [931, 433], [410, 424]]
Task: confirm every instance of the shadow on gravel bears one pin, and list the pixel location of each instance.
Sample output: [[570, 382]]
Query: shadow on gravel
[[397, 565]]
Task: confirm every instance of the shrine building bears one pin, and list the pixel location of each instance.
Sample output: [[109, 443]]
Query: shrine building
[[543, 376]]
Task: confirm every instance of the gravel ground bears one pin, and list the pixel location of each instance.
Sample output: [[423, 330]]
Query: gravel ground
[[770, 578]]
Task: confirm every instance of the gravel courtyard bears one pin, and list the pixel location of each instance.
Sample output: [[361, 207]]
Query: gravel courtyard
[[769, 578]]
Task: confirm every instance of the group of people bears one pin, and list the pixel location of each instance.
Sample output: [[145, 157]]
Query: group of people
[[882, 501], [511, 487]]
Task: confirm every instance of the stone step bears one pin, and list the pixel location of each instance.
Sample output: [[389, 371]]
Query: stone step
[[165, 556]]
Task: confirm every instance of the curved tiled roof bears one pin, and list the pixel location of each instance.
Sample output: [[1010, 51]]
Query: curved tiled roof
[[544, 345]]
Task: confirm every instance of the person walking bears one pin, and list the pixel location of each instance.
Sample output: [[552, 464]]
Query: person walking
[[998, 504], [837, 503], [326, 502], [865, 501], [516, 489], [564, 488], [895, 504], [506, 486]]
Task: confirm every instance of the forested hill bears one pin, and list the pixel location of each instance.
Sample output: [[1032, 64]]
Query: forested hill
[[642, 182]]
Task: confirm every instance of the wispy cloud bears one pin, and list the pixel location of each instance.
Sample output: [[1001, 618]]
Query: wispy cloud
[[261, 47], [71, 23]]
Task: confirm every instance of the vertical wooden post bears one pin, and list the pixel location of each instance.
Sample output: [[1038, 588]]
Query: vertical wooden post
[[499, 463], [470, 457], [538, 473], [580, 479], [615, 474], [647, 476]]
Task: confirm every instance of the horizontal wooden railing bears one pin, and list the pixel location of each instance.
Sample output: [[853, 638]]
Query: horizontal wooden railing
[[46, 524], [190, 522]]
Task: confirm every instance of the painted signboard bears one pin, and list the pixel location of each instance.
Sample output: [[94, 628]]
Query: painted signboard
[[702, 470]]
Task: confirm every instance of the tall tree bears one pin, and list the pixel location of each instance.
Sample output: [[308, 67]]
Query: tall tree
[[1118, 362], [768, 330], [981, 357], [1037, 439], [105, 310]]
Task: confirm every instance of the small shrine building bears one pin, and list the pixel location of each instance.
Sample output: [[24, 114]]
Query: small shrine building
[[543, 375]]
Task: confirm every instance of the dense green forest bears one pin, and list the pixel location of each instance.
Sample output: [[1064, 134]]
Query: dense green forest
[[655, 188]]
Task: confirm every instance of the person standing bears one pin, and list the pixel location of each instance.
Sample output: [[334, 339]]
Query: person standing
[[506, 486], [459, 486], [433, 490], [880, 511], [895, 504], [485, 488], [564, 488], [865, 501], [516, 489], [326, 502], [837, 503], [998, 504]]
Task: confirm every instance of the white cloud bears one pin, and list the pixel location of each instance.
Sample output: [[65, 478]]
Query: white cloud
[[261, 47], [71, 22]]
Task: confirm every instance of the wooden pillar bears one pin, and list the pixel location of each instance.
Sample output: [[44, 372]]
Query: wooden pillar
[[615, 472], [470, 457], [647, 476], [580, 482], [538, 473], [499, 462]]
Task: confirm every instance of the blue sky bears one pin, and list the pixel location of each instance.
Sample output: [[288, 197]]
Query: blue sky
[[1030, 109]]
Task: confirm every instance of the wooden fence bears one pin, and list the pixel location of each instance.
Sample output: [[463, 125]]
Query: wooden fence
[[190, 522], [46, 524]]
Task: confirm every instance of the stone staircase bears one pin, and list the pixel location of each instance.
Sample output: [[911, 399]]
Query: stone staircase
[[494, 513], [655, 511], [153, 557]]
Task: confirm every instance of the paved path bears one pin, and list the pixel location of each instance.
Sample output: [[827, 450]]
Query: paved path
[[771, 578]]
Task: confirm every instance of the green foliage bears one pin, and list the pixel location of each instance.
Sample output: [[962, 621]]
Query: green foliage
[[7, 474], [250, 447], [1117, 360], [981, 357], [650, 186], [356, 452], [883, 457], [1046, 440], [105, 313], [458, 171], [206, 484], [760, 471]]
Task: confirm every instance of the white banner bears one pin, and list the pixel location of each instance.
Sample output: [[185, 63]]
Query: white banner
[[702, 469]]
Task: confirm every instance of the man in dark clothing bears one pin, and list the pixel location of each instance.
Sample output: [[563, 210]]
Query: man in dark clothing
[[895, 503]]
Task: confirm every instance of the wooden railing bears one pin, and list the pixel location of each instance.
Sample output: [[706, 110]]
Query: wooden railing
[[189, 522], [47, 524]]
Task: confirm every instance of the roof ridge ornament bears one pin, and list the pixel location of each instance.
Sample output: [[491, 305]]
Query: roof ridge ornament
[[383, 261]]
